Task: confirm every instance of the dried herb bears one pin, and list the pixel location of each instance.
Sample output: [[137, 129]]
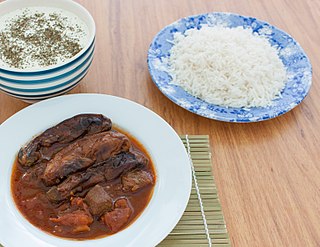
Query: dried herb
[[39, 39]]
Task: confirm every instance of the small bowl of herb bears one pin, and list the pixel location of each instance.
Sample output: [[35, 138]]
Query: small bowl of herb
[[46, 47]]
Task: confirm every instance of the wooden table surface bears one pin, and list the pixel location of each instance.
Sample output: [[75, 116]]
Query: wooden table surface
[[267, 173]]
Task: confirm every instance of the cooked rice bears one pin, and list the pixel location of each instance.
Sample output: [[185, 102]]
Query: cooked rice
[[227, 66]]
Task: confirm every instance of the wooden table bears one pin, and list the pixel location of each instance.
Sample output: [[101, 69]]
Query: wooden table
[[268, 173]]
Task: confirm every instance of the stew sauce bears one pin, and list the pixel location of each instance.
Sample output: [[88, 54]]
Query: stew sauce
[[30, 195]]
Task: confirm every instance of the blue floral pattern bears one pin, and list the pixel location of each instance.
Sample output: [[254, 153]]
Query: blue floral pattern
[[296, 62]]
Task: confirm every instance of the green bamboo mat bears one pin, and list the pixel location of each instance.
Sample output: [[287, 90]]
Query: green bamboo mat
[[190, 231]]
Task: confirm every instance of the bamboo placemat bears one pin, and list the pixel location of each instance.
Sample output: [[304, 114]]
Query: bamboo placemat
[[190, 231]]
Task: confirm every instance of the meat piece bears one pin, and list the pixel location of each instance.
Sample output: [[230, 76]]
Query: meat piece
[[119, 217], [34, 172], [78, 217], [105, 171], [141, 158], [124, 162], [64, 190], [135, 180], [98, 201], [83, 153], [56, 138], [82, 189]]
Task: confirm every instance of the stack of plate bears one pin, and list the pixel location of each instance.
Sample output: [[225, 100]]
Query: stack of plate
[[36, 84]]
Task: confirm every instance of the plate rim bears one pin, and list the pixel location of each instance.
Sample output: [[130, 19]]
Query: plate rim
[[173, 220]]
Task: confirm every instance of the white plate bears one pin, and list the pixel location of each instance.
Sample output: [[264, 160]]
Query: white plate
[[172, 189]]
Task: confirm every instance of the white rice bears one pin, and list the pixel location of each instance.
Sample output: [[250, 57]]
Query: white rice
[[227, 66]]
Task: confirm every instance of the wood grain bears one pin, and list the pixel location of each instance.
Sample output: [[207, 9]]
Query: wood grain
[[268, 174]]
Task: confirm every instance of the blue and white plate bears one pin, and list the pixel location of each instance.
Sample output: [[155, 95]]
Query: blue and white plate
[[296, 62]]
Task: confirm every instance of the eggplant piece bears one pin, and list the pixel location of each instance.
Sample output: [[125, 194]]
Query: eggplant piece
[[50, 142], [84, 153], [105, 171]]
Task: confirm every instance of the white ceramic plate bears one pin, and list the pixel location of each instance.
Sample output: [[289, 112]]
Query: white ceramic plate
[[173, 171]]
